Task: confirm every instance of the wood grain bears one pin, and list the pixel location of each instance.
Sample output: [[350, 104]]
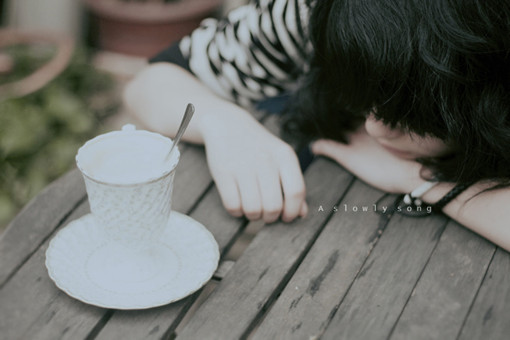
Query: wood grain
[[384, 284], [267, 263], [312, 296], [446, 289], [489, 316], [37, 221]]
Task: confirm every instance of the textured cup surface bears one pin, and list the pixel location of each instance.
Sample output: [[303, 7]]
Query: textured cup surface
[[129, 185]]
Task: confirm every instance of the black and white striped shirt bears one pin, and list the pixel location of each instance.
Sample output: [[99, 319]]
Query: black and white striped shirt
[[258, 51]]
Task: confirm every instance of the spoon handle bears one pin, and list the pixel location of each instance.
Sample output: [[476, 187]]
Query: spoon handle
[[190, 109]]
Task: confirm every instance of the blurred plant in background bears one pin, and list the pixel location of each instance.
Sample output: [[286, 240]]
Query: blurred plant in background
[[40, 133]]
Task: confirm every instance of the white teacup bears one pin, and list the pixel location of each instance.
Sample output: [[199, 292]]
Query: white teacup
[[129, 183]]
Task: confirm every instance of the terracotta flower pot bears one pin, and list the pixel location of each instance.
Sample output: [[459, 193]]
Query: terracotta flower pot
[[145, 28]]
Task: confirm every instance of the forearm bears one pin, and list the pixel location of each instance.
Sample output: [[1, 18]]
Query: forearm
[[486, 214], [158, 95]]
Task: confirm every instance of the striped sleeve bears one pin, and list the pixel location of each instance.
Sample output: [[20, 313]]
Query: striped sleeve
[[257, 51]]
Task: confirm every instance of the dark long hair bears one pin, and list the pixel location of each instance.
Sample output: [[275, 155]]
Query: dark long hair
[[434, 67]]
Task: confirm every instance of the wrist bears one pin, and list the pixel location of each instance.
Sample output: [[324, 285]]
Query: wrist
[[433, 194], [221, 118]]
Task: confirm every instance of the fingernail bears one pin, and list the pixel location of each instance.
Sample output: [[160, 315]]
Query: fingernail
[[304, 210]]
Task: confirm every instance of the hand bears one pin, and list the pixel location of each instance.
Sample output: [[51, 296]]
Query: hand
[[372, 163], [256, 173]]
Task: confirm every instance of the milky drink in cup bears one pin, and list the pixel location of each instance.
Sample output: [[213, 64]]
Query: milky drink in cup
[[129, 184]]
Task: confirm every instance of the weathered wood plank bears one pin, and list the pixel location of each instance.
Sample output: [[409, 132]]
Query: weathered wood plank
[[31, 302], [442, 298], [266, 264], [191, 180], [154, 324], [382, 288], [312, 295], [489, 317], [37, 220], [223, 269]]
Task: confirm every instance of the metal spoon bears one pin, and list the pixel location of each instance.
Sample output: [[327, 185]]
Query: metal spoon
[[190, 109]]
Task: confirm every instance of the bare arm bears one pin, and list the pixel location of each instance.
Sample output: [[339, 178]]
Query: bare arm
[[256, 173], [158, 95], [486, 214]]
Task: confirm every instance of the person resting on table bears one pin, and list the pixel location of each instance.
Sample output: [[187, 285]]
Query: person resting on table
[[399, 92]]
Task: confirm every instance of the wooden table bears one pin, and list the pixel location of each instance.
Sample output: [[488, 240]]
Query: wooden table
[[334, 275]]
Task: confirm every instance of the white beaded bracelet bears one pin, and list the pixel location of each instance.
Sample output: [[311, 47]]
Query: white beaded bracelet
[[416, 194]]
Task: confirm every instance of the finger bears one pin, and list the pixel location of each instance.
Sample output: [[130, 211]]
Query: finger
[[326, 147], [229, 193], [250, 197], [271, 195], [293, 186]]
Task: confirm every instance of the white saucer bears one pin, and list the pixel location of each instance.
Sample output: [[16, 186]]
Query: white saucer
[[88, 267]]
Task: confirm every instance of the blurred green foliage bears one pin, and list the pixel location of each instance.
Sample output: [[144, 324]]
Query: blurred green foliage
[[40, 133]]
